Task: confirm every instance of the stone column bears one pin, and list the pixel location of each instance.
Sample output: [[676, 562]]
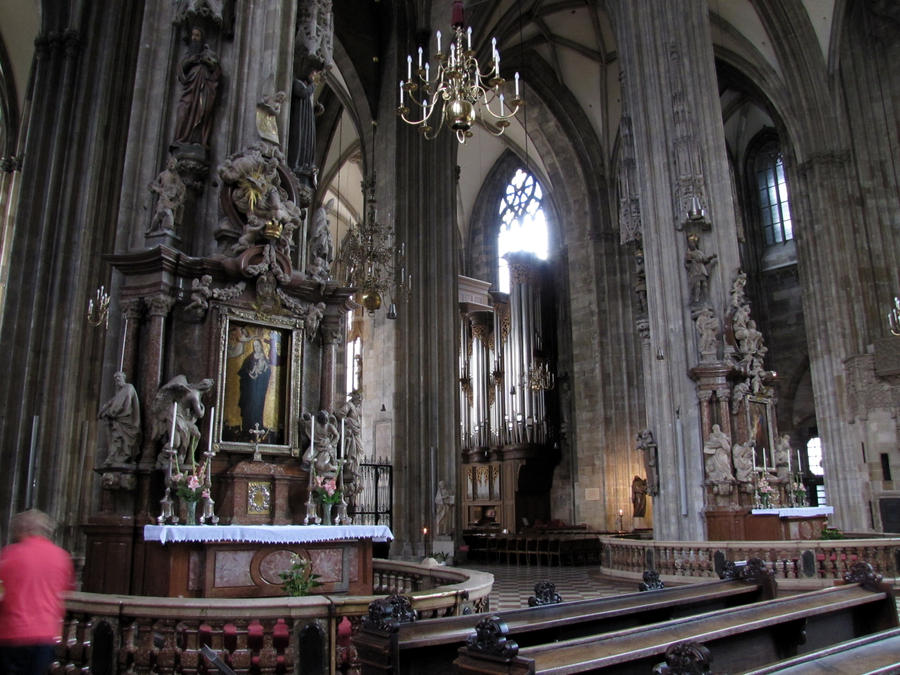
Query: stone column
[[132, 311], [332, 330], [679, 150]]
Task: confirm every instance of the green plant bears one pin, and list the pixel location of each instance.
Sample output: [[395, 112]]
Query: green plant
[[832, 533], [299, 580]]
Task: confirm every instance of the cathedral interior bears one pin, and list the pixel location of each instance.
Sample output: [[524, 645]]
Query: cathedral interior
[[668, 258]]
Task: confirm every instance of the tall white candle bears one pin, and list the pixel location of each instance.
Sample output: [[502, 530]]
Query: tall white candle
[[765, 468], [408, 67], [517, 84], [420, 57], [469, 38], [754, 460], [212, 415], [789, 463], [799, 464], [312, 432], [401, 93], [174, 418], [341, 446], [439, 42], [124, 340]]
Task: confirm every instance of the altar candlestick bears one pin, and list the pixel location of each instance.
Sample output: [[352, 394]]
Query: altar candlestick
[[799, 465], [312, 433], [174, 418], [341, 446], [765, 468]]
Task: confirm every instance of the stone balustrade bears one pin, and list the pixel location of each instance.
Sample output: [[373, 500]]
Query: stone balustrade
[[796, 564], [138, 634]]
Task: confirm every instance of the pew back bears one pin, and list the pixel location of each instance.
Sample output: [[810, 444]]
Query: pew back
[[429, 646]]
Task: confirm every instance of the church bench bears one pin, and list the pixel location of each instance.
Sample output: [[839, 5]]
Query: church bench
[[429, 646], [875, 653], [737, 638]]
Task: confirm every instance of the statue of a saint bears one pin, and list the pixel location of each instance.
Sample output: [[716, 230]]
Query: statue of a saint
[[718, 456], [639, 497], [171, 192], [646, 445], [321, 248], [708, 332], [743, 461], [697, 264], [122, 414], [783, 458], [322, 451], [443, 509], [199, 74]]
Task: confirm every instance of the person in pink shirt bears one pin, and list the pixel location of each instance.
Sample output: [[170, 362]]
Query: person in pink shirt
[[35, 574]]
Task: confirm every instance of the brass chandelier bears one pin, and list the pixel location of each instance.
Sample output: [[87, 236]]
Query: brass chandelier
[[371, 262], [459, 85]]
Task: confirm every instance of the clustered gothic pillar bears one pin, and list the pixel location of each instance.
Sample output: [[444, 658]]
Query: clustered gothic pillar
[[675, 114]]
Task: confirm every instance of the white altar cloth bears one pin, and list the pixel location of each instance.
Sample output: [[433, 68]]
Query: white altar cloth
[[265, 534], [796, 512]]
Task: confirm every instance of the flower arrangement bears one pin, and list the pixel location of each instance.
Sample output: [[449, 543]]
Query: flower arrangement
[[326, 490], [764, 492], [798, 489], [190, 486], [299, 579]]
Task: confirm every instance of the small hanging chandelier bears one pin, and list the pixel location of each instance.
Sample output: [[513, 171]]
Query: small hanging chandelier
[[371, 262], [460, 85]]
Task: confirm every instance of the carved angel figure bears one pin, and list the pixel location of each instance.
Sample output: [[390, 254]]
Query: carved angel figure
[[189, 397], [321, 247]]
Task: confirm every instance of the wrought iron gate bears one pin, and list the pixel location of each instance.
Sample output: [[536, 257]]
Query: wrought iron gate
[[374, 503]]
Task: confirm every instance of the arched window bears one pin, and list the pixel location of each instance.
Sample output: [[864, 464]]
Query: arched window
[[772, 194], [523, 226]]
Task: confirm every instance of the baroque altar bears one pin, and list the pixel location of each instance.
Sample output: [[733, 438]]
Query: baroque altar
[[244, 561]]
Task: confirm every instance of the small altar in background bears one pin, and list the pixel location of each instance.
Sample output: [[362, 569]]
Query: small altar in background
[[243, 561], [775, 524]]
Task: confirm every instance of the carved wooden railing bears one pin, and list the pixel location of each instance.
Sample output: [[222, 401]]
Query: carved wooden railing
[[137, 634], [799, 564]]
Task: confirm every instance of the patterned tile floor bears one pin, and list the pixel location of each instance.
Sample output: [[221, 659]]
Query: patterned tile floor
[[513, 585]]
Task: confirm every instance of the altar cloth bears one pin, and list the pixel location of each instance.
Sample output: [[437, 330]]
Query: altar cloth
[[265, 534], [796, 512]]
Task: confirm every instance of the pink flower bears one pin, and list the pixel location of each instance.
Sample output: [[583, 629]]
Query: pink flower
[[193, 483]]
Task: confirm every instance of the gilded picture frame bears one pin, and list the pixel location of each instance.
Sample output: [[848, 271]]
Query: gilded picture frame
[[259, 379]]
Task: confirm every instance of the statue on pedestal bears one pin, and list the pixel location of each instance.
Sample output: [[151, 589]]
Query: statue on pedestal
[[743, 461], [182, 432], [783, 459], [443, 509], [199, 74], [639, 497], [718, 460], [171, 192], [122, 414], [697, 264], [646, 445]]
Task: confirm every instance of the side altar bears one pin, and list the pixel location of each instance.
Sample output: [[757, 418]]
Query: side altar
[[245, 561]]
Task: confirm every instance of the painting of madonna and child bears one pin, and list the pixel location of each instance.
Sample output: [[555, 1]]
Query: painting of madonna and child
[[256, 372]]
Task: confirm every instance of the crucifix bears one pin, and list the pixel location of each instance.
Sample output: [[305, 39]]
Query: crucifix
[[258, 434]]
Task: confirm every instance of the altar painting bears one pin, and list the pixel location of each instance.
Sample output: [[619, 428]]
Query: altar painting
[[256, 369]]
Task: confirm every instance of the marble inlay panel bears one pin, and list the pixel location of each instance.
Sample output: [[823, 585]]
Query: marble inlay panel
[[275, 563], [328, 564], [233, 568]]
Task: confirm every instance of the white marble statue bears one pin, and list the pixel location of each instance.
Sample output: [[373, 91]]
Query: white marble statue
[[718, 456], [122, 414], [443, 509]]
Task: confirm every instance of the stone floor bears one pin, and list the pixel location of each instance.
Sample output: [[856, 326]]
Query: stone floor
[[513, 585]]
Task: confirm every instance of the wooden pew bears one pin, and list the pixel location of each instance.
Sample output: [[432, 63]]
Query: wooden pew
[[386, 645], [735, 639], [875, 653]]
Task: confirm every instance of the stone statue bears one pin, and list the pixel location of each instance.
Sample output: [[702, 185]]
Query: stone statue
[[443, 509], [200, 294], [313, 54], [646, 445], [697, 264], [708, 330], [640, 280], [783, 459], [349, 413], [122, 414], [322, 451], [718, 456], [743, 461], [313, 318], [639, 497], [199, 74], [321, 247], [189, 397], [171, 193], [750, 341]]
